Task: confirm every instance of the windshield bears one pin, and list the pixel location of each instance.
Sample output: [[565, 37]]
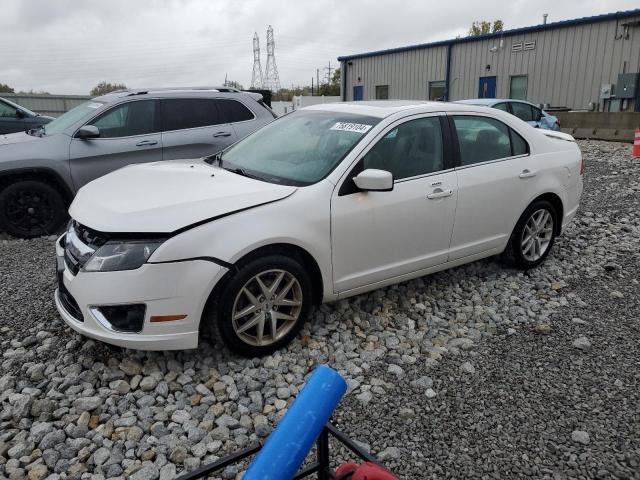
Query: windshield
[[298, 149], [72, 116]]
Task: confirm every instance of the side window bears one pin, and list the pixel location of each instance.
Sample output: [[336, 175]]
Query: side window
[[502, 106], [7, 111], [413, 148], [481, 139], [132, 118], [537, 114], [183, 113], [518, 144], [234, 111], [523, 111]]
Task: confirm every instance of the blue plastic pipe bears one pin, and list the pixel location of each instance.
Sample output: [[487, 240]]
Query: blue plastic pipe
[[288, 445]]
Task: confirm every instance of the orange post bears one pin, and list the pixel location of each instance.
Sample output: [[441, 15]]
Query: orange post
[[636, 144]]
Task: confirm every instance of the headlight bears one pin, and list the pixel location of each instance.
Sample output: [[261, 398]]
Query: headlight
[[122, 255]]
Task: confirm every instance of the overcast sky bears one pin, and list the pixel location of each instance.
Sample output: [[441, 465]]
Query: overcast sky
[[67, 46]]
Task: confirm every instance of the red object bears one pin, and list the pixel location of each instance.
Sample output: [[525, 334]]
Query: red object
[[366, 471], [636, 144]]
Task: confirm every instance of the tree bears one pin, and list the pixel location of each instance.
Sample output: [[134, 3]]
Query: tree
[[233, 84], [103, 87], [6, 88], [483, 27], [333, 88]]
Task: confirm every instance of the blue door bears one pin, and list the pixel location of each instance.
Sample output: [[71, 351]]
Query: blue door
[[487, 87], [358, 92]]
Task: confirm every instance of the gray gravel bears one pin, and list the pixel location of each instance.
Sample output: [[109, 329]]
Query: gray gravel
[[478, 372]]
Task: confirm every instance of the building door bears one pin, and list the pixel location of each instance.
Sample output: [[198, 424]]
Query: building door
[[487, 87], [358, 92]]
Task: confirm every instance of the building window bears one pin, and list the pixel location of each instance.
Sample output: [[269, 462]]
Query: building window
[[437, 90], [382, 92], [518, 87]]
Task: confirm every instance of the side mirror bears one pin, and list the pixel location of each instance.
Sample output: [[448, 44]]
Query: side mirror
[[20, 113], [374, 180], [88, 131]]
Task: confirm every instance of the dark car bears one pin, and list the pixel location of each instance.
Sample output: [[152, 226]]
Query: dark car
[[14, 118], [41, 170]]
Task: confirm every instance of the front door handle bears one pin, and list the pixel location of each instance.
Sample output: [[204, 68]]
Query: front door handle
[[221, 134], [439, 193], [526, 173], [146, 143]]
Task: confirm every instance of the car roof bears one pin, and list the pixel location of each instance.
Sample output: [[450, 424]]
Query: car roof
[[385, 108], [172, 92], [490, 101]]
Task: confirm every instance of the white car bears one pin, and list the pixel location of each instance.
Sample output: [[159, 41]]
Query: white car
[[324, 203]]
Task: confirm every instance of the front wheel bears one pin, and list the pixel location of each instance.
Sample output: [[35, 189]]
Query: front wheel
[[264, 305], [533, 235], [30, 208]]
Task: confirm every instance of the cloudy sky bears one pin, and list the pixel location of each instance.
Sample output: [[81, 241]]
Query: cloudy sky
[[67, 46]]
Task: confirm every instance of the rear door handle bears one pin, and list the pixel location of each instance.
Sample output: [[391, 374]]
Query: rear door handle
[[146, 143], [526, 173], [439, 193], [222, 134]]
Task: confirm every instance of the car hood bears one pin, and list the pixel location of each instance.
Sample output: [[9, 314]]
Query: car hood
[[164, 197], [20, 137]]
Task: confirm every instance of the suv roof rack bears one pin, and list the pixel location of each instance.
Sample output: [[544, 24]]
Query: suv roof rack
[[142, 91]]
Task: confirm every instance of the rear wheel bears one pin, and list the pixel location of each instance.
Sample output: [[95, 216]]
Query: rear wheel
[[30, 208], [264, 305], [533, 236]]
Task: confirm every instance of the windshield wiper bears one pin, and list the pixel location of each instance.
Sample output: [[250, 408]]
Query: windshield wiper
[[216, 157]]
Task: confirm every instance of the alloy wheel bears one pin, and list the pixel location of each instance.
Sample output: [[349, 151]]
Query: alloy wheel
[[267, 307], [537, 235], [29, 211]]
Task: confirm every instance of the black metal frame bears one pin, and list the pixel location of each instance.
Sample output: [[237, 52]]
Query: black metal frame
[[321, 466]]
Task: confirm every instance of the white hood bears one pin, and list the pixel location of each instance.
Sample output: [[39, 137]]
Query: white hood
[[163, 197]]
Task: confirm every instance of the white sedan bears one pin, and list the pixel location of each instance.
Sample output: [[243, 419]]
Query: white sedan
[[327, 202]]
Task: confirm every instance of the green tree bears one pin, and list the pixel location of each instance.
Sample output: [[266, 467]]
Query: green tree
[[333, 88], [483, 27], [6, 88], [233, 84], [105, 87]]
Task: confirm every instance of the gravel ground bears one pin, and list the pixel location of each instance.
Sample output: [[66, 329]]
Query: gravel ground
[[478, 372]]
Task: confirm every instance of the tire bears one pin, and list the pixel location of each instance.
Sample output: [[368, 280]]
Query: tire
[[30, 208], [243, 293], [525, 254]]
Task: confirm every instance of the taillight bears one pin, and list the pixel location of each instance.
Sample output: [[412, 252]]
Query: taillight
[[581, 165]]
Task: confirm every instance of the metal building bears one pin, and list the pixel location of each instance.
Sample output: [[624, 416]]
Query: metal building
[[590, 63]]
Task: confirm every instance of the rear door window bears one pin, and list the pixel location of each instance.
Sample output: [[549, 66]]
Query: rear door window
[[482, 139], [234, 111], [184, 113], [523, 111], [128, 119], [504, 106]]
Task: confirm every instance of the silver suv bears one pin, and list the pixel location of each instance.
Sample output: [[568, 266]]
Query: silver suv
[[41, 170]]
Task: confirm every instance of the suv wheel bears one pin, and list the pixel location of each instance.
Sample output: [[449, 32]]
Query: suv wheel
[[533, 236], [30, 208], [264, 305]]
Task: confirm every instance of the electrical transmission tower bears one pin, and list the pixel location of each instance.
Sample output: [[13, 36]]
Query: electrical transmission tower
[[271, 78], [256, 78]]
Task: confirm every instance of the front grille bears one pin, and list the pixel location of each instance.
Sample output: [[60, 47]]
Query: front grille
[[81, 242], [73, 264], [90, 237], [69, 303]]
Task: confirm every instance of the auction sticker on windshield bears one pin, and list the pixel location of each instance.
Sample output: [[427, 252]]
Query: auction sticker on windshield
[[351, 127]]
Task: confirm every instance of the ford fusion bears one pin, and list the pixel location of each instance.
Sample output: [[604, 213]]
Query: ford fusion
[[324, 203]]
